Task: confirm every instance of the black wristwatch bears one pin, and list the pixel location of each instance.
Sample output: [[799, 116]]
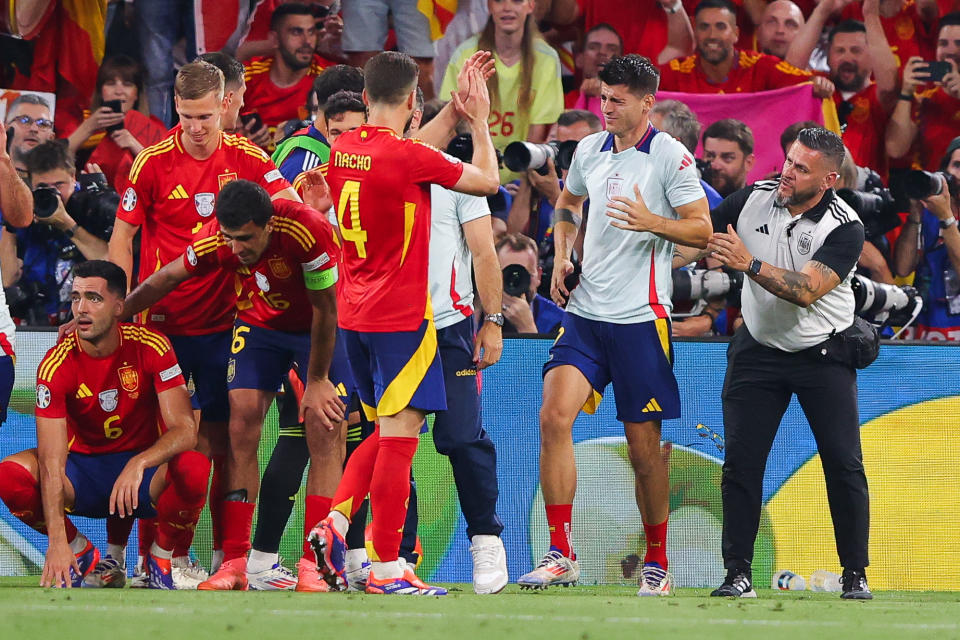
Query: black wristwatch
[[755, 265], [495, 318]]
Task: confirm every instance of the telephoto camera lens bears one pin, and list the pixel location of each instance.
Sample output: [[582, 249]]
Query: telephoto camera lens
[[516, 280], [919, 185], [45, 201]]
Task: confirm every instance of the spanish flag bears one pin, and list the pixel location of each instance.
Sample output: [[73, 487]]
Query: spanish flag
[[439, 13]]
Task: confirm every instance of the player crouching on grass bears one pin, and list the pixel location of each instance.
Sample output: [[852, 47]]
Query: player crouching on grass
[[114, 436]]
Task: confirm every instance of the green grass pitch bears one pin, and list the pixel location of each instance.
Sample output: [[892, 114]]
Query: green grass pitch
[[28, 612]]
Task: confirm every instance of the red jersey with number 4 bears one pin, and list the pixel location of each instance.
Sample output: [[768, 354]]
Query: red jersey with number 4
[[110, 403], [272, 293], [751, 72], [380, 185], [171, 196]]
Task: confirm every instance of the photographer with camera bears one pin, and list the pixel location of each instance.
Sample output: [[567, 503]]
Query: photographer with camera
[[929, 244], [524, 310], [72, 222]]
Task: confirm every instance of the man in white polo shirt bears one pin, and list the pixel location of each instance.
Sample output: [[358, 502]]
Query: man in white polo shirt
[[798, 243], [617, 325]]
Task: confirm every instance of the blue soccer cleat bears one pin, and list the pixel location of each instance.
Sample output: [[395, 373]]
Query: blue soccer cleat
[[160, 572], [407, 585], [331, 551], [87, 561]]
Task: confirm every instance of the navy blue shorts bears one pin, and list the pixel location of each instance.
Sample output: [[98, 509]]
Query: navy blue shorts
[[93, 477], [203, 360], [460, 378], [637, 358], [6, 385], [397, 369], [260, 358]]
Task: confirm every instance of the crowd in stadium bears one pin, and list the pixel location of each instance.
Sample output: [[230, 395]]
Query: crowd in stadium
[[108, 102]]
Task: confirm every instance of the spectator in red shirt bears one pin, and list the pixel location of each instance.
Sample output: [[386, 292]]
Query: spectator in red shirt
[[718, 67], [779, 25], [928, 114], [644, 27], [117, 135], [277, 86], [908, 25]]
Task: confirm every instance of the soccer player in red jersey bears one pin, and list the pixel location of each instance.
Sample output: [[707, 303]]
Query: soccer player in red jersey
[[719, 67], [380, 183], [171, 194], [284, 258], [114, 436], [277, 86]]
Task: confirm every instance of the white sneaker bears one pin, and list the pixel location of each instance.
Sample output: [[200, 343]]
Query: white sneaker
[[654, 581], [357, 570], [276, 578], [489, 564], [140, 579], [187, 574], [554, 569]]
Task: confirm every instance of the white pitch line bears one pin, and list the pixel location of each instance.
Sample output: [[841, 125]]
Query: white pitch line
[[686, 621]]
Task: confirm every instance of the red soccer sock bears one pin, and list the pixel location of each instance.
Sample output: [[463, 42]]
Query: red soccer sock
[[389, 494], [355, 483], [118, 530], [21, 493], [181, 546], [656, 543], [147, 533], [316, 509], [179, 506], [559, 517], [237, 520], [217, 491]]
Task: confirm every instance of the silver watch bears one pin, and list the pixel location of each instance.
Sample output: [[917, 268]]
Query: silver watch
[[495, 318]]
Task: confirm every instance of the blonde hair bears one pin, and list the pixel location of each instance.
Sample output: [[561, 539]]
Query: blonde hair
[[486, 42], [197, 79]]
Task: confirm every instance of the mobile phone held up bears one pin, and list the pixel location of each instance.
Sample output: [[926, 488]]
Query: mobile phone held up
[[117, 107], [252, 121], [935, 70]]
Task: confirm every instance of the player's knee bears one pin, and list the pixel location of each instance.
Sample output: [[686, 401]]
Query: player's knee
[[189, 472], [645, 458], [554, 423], [18, 487]]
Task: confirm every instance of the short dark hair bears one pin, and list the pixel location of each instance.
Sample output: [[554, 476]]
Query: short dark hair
[[789, 135], [230, 67], [571, 117], [26, 98], [715, 4], [123, 67], [603, 26], [242, 201], [115, 276], [732, 130], [637, 72], [825, 141], [845, 26], [49, 156], [517, 242], [389, 77], [288, 9], [952, 19], [339, 77], [680, 122], [343, 102]]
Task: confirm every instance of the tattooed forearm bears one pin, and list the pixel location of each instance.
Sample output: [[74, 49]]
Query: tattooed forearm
[[567, 215], [792, 286]]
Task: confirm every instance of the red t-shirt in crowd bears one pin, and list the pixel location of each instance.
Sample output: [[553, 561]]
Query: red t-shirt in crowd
[[171, 195], [380, 184], [866, 128], [938, 117], [751, 71], [272, 293], [278, 104], [110, 403], [116, 160], [906, 32]]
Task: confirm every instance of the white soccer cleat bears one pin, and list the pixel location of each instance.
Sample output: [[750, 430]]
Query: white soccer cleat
[[276, 578], [187, 574], [140, 579], [357, 571], [489, 564], [554, 569], [654, 581]]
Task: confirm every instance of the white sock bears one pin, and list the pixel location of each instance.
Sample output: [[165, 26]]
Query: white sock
[[181, 561], [386, 570], [261, 561], [216, 559], [157, 552], [340, 522], [118, 552], [355, 558], [78, 544]]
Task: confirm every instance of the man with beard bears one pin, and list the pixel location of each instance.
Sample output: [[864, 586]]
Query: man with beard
[[928, 108], [718, 67], [782, 20], [854, 50], [728, 148], [29, 119], [277, 86]]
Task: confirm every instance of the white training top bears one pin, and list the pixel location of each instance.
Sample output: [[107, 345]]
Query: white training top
[[8, 330], [451, 264], [627, 274]]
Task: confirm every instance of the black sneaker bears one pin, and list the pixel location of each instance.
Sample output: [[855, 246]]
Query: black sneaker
[[854, 583], [737, 585]]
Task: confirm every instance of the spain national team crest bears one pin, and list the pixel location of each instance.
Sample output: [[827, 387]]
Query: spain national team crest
[[225, 178], [231, 370], [279, 268], [262, 281], [804, 243], [614, 186], [129, 379], [108, 399], [204, 204]]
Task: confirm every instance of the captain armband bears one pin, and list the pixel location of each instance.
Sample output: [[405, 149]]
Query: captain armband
[[319, 280], [567, 215]]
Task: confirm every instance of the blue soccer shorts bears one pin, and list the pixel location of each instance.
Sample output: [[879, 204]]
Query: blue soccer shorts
[[203, 360], [637, 358], [93, 477]]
